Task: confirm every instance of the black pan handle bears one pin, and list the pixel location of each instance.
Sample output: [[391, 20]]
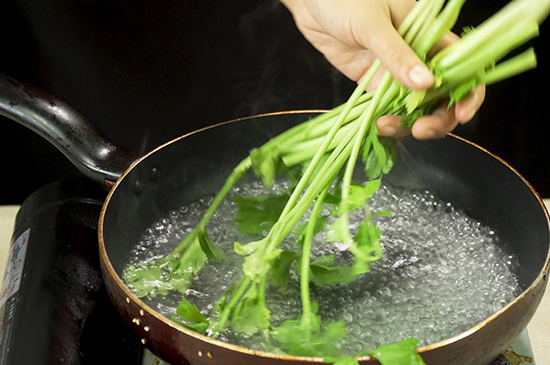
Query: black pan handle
[[95, 155]]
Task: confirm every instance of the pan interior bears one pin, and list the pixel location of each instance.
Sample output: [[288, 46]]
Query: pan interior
[[193, 166], [485, 188]]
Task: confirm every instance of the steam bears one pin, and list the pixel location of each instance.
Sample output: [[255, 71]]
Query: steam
[[280, 69]]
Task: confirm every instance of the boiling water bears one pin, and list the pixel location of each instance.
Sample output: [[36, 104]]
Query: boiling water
[[441, 272]]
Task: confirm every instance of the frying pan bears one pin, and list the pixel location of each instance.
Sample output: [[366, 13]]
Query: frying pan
[[143, 189]]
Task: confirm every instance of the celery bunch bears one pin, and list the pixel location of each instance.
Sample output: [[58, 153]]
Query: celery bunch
[[329, 147]]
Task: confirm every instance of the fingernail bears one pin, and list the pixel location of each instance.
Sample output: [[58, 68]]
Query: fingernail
[[424, 133], [388, 131], [467, 115], [421, 76], [430, 134]]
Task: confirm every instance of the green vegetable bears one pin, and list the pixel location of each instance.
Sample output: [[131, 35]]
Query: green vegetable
[[175, 272], [194, 319], [308, 336], [259, 213], [329, 148], [403, 352]]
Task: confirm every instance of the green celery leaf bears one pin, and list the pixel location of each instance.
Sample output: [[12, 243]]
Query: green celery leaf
[[368, 241], [320, 224], [197, 327], [462, 91], [382, 212], [333, 199], [414, 99], [266, 164], [466, 30], [258, 213], [160, 277], [390, 146], [359, 194], [248, 248], [310, 337], [280, 269], [150, 278], [251, 315], [191, 260], [211, 251], [257, 265], [402, 353], [175, 273], [407, 120], [336, 231], [189, 312], [216, 313], [323, 272], [194, 319], [348, 360], [379, 155], [327, 260]]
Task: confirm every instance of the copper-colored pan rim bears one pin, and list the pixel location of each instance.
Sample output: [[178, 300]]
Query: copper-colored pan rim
[[131, 296]]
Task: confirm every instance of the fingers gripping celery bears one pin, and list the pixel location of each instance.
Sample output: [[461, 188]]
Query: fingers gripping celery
[[329, 147]]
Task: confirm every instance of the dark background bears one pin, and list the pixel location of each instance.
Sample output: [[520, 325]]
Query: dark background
[[148, 71]]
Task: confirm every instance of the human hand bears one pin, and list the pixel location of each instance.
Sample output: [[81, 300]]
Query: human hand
[[352, 34]]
